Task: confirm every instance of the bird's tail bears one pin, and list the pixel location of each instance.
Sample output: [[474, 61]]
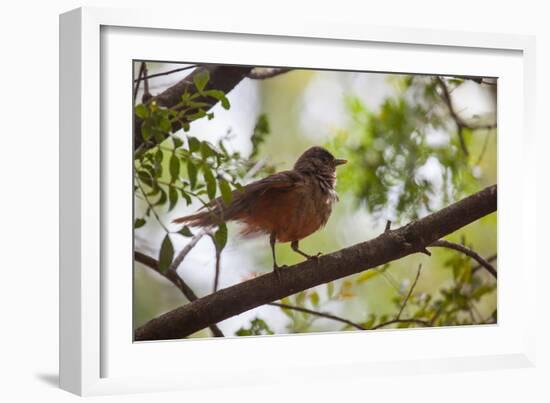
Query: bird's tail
[[211, 215]]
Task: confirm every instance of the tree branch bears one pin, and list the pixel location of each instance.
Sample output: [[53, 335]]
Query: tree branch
[[317, 313], [186, 249], [223, 78], [165, 73], [490, 259], [468, 252], [391, 322], [173, 276], [138, 80], [389, 246], [261, 73], [461, 124]]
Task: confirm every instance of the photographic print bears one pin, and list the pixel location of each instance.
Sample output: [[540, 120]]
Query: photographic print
[[282, 200]]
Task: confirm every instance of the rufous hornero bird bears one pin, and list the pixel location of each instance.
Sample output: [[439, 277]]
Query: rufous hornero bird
[[288, 205]]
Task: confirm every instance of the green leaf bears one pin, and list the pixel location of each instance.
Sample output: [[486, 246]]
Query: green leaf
[[186, 196], [197, 115], [201, 79], [159, 155], [142, 112], [330, 289], [192, 173], [166, 254], [139, 222], [207, 150], [172, 197], [174, 167], [225, 103], [257, 327], [194, 144], [300, 298], [162, 199], [210, 182], [220, 96], [197, 105], [456, 81], [155, 189], [220, 237], [177, 142], [314, 298], [227, 196], [146, 130], [261, 130], [185, 231], [286, 311], [165, 124], [145, 178]]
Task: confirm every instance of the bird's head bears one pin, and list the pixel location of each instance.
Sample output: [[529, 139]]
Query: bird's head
[[318, 160]]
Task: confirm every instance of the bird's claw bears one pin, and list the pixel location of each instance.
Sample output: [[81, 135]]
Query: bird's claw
[[314, 257], [277, 271]]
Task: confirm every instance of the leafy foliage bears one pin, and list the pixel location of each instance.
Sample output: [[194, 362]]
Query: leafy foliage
[[183, 167], [166, 254], [261, 130], [404, 160], [257, 327], [452, 305]]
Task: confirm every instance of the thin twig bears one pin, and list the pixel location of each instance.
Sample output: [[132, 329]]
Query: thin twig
[[186, 249], [461, 124], [138, 80], [146, 94], [317, 313], [410, 292], [490, 259], [150, 205], [173, 276], [165, 73], [217, 275], [255, 169], [259, 73], [457, 119], [468, 252], [390, 322]]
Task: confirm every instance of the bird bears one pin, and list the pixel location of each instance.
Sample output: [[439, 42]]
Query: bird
[[288, 205]]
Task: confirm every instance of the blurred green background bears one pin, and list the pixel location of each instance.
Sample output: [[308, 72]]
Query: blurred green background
[[408, 157]]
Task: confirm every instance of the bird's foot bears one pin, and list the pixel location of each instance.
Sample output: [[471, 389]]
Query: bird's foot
[[277, 270], [314, 257]]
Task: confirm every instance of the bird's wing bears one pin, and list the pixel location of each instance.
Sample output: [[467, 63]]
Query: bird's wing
[[281, 181], [243, 199]]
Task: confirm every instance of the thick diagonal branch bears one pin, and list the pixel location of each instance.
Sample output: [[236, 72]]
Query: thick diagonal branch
[[389, 246], [173, 276]]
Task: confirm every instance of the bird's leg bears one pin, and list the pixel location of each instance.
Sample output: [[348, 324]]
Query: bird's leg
[[294, 246], [276, 268]]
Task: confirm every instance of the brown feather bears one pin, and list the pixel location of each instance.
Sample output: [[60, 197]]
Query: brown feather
[[289, 204]]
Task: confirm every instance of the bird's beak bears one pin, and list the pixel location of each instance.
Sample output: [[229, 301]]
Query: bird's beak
[[339, 161]]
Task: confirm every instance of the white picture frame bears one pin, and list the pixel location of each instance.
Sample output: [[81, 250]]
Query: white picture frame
[[96, 354]]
